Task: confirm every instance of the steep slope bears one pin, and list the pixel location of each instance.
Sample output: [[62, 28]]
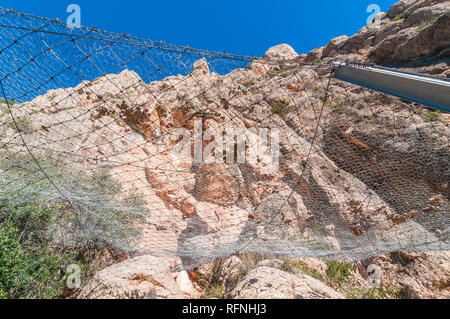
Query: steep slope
[[354, 174]]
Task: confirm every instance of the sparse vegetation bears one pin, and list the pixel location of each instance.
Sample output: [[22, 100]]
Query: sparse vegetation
[[25, 272], [22, 124], [212, 288], [338, 271], [4, 106], [318, 60], [293, 265], [425, 24], [312, 86], [432, 116], [39, 237], [248, 84], [255, 90], [214, 292], [338, 275], [250, 260], [335, 103], [373, 293], [272, 73], [398, 17], [282, 109], [4, 101]]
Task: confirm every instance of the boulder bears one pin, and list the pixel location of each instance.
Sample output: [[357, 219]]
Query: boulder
[[399, 8], [271, 283], [185, 284], [137, 278], [334, 45], [314, 55], [281, 52]]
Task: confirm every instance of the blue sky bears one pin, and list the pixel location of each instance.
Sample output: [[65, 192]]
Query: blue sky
[[239, 27]]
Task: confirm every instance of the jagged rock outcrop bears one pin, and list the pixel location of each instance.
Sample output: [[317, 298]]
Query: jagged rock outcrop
[[421, 275], [410, 30], [314, 55], [334, 45]]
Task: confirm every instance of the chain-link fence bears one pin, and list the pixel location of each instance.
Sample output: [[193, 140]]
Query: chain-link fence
[[167, 150]]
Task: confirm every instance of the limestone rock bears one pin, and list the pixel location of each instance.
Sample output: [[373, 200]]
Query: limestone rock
[[140, 277], [281, 52], [334, 45], [272, 263], [200, 68], [215, 184], [185, 284], [433, 36], [271, 283], [428, 13], [349, 193], [229, 271], [419, 274], [314, 55]]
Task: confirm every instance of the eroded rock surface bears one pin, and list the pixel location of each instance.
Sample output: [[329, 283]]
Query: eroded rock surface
[[137, 278], [360, 174], [271, 283]]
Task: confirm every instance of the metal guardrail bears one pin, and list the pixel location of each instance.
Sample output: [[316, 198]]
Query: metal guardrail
[[415, 87]]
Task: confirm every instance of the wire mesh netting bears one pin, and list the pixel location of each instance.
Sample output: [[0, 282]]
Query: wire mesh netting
[[167, 150]]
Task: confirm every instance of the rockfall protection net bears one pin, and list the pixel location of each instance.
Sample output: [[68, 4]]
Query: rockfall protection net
[[166, 150]]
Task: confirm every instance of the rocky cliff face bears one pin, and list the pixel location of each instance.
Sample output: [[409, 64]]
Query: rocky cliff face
[[412, 33], [360, 175]]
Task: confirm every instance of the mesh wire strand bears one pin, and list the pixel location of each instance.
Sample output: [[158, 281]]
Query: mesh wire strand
[[87, 125]]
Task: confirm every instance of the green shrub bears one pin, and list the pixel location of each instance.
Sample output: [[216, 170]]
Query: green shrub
[[398, 17], [432, 116], [272, 73], [24, 125], [214, 292], [248, 84], [4, 107], [424, 24], [374, 293], [335, 103], [312, 86], [90, 213], [281, 108], [337, 271], [292, 265], [27, 273], [4, 101], [41, 231]]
